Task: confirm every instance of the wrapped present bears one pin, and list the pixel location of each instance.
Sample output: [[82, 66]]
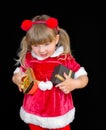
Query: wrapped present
[[57, 76], [30, 84]]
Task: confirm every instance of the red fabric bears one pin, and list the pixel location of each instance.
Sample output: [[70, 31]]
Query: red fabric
[[34, 127], [48, 103]]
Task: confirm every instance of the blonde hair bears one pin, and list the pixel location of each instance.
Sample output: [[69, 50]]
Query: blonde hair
[[40, 34]]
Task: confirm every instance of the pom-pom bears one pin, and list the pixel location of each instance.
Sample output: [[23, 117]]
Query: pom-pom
[[26, 25], [52, 22]]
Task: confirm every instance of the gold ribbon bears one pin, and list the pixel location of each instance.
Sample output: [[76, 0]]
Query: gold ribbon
[[61, 78]]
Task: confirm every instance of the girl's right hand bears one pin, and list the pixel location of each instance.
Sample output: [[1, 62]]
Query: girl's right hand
[[17, 79]]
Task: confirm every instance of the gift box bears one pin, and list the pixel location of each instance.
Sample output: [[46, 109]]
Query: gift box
[[57, 76], [29, 84]]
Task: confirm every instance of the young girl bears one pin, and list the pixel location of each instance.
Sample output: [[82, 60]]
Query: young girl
[[45, 46]]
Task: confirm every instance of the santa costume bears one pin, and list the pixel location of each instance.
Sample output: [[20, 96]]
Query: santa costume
[[49, 107]]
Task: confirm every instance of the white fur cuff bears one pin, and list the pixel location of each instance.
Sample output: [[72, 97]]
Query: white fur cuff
[[16, 70], [80, 72]]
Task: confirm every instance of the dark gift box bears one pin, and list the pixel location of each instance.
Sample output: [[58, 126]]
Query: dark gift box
[[57, 76]]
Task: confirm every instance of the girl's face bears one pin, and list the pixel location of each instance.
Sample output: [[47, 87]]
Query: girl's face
[[45, 50]]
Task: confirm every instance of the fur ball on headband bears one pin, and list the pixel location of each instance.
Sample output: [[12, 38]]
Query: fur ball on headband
[[50, 22]]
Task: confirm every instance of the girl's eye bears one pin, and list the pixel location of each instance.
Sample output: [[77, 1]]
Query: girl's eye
[[47, 44], [35, 46]]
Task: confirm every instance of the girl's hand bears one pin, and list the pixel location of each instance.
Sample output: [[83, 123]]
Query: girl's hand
[[70, 84], [17, 79], [67, 85]]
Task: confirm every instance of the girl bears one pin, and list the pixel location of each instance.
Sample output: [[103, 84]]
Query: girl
[[45, 46]]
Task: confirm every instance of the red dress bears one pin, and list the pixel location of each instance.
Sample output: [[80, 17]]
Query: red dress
[[51, 108]]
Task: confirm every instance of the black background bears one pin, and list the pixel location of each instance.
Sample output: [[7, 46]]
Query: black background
[[85, 24]]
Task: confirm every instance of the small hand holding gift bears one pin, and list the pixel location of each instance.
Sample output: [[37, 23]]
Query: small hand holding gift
[[30, 84], [57, 76]]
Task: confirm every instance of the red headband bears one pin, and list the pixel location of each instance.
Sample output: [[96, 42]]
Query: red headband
[[50, 22]]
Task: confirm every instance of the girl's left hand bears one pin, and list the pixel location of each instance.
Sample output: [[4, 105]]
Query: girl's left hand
[[67, 85]]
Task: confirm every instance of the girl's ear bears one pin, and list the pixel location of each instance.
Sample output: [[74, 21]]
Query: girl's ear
[[57, 39]]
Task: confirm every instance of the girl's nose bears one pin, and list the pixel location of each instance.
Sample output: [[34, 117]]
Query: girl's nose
[[42, 49]]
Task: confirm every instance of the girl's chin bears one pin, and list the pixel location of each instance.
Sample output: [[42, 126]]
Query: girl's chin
[[44, 57]]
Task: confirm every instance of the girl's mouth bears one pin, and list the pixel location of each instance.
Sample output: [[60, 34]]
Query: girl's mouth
[[43, 55]]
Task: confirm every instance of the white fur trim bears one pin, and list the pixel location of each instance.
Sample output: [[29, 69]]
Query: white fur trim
[[16, 70], [58, 51], [80, 72], [45, 85], [48, 122], [36, 56]]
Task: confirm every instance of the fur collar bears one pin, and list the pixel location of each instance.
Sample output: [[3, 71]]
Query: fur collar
[[58, 51]]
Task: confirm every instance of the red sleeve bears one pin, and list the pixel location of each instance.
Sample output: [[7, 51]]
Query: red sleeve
[[72, 63]]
